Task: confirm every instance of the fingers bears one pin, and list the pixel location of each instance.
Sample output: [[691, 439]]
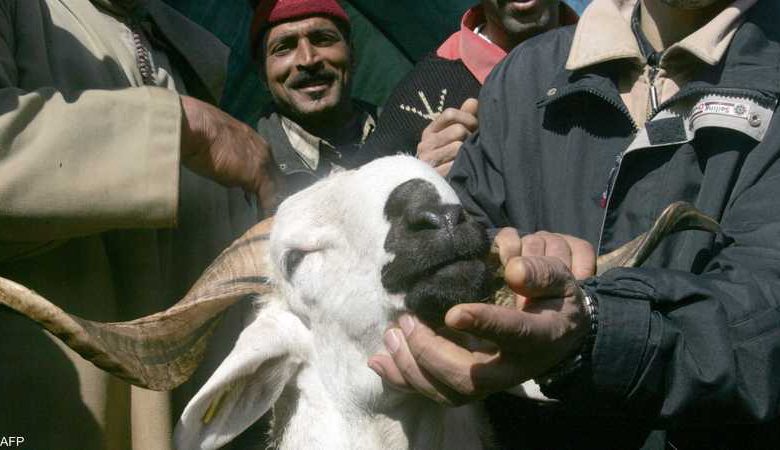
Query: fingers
[[539, 277], [547, 244], [450, 116], [217, 146], [437, 156], [431, 144], [471, 106], [509, 245], [576, 253], [532, 341], [269, 194], [385, 367], [507, 327], [444, 169], [404, 368], [583, 259], [442, 138]]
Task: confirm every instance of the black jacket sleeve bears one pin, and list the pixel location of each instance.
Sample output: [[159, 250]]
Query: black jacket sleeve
[[702, 347]]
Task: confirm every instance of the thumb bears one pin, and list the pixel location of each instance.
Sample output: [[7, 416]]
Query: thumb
[[268, 195], [471, 106], [507, 327], [538, 276]]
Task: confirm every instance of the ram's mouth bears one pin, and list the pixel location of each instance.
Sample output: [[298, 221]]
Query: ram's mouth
[[440, 269]]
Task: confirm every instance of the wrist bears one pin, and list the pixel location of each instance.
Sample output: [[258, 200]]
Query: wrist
[[554, 381], [193, 130]]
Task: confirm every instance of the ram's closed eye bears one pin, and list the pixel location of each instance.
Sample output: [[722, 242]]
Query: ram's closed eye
[[292, 259]]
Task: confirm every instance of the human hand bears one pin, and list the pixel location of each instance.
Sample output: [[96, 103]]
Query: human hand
[[578, 255], [219, 147], [547, 324], [442, 138]]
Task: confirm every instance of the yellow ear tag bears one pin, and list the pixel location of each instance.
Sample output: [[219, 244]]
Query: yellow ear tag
[[214, 407]]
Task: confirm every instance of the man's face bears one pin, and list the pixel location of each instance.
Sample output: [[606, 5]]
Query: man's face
[[522, 18], [307, 67]]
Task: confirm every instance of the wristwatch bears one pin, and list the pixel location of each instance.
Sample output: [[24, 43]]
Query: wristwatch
[[553, 383]]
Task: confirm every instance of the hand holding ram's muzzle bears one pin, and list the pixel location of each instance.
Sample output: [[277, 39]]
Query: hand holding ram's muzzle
[[443, 257]]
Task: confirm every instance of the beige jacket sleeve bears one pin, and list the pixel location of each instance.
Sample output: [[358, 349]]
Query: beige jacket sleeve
[[76, 163]]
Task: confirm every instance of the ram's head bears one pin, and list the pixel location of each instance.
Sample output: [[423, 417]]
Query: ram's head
[[362, 245]]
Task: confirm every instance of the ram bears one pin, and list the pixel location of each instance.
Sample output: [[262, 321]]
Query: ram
[[325, 278]]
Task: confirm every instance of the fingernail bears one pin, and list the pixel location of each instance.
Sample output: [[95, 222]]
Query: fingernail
[[376, 368], [458, 318], [392, 341], [407, 324]]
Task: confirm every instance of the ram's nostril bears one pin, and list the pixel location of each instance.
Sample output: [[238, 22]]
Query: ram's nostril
[[434, 218], [424, 220], [454, 215]]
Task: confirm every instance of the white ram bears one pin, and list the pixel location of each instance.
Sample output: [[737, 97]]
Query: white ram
[[344, 259]]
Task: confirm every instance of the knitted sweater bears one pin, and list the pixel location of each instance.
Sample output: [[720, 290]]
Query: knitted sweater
[[433, 85]]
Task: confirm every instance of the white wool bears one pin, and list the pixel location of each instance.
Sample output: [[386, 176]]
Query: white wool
[[304, 355]]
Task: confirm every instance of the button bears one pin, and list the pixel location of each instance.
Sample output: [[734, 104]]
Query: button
[[754, 120], [552, 92]]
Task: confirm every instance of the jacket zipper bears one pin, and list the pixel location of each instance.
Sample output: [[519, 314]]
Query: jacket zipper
[[143, 58], [142, 53], [653, 92], [652, 62], [613, 173], [606, 195]]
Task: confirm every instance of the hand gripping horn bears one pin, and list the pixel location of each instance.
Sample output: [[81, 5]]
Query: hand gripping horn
[[162, 350], [679, 216]]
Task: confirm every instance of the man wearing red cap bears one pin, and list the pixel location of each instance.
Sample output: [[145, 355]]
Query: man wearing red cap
[[303, 50]]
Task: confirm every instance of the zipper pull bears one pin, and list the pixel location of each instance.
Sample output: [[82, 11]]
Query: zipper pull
[[653, 92], [653, 60]]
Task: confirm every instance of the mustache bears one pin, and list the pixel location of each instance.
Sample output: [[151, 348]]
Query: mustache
[[304, 79]]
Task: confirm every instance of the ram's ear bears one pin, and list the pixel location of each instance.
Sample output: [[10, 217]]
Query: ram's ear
[[246, 385]]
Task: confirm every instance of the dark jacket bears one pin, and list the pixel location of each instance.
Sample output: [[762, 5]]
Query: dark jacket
[[691, 340], [297, 175]]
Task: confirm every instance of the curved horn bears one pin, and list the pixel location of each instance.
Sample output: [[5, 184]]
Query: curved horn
[[679, 216], [162, 350]]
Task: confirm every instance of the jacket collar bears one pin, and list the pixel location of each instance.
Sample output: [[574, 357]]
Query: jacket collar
[[477, 53], [205, 55], [748, 67], [604, 34], [289, 159]]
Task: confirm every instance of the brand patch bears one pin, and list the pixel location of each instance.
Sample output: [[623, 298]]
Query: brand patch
[[720, 107]]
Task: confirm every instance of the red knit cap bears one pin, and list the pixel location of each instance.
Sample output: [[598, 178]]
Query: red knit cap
[[271, 12]]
